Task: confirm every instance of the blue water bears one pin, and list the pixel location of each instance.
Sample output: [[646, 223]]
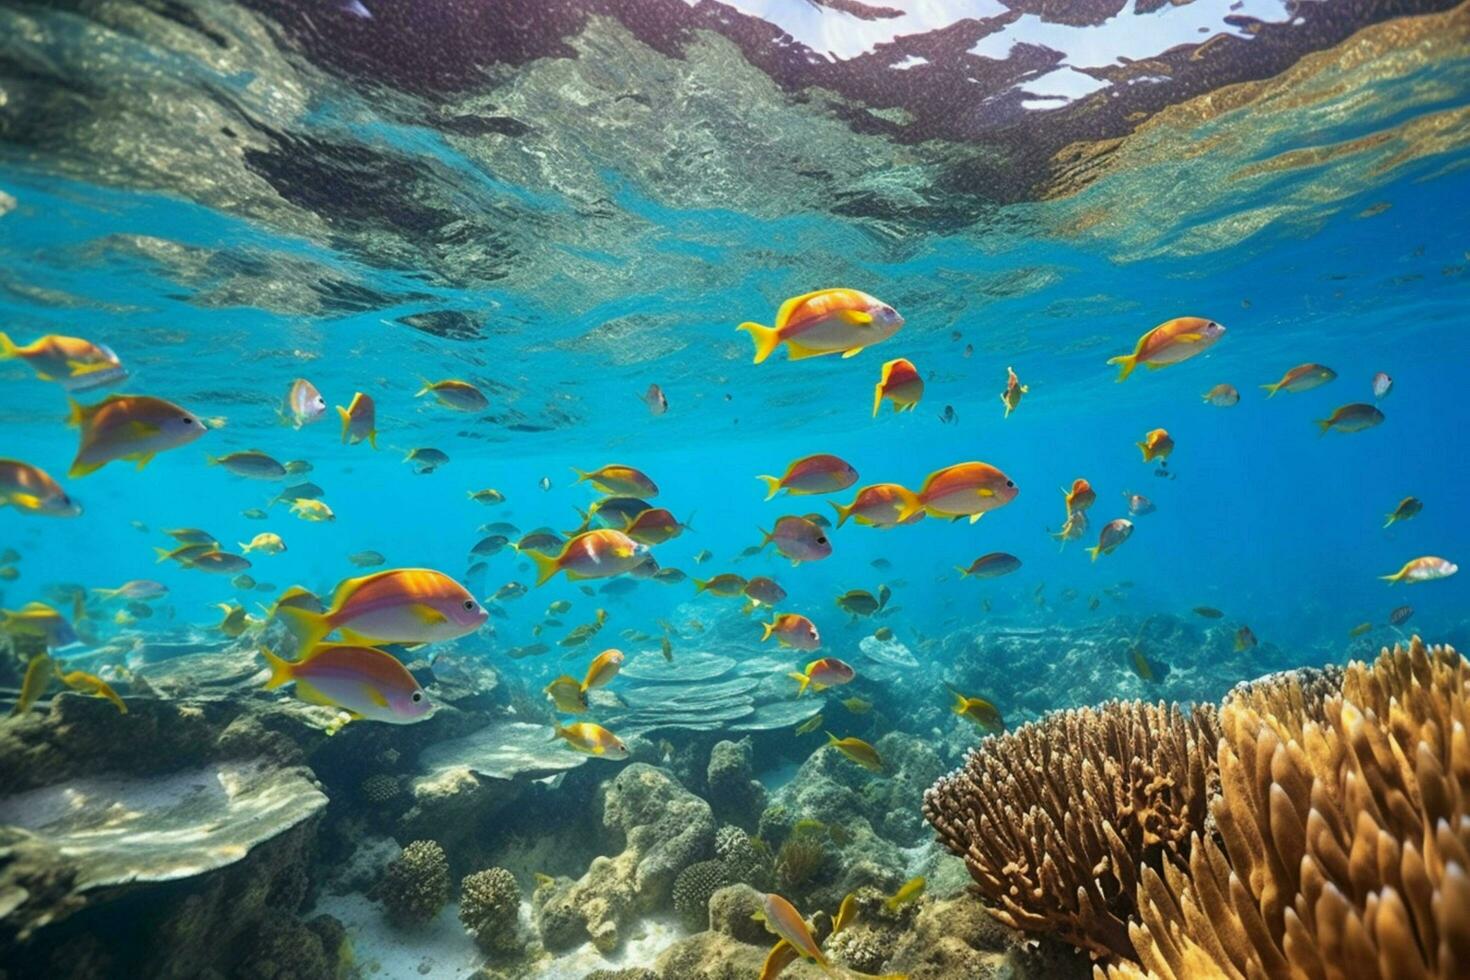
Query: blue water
[[1261, 517]]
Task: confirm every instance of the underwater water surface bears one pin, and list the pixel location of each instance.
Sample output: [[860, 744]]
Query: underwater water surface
[[565, 204]]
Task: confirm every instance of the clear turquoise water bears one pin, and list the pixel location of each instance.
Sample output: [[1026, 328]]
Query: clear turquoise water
[[1278, 527]]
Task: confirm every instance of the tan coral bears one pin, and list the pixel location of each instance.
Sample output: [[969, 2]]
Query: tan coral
[[1056, 819], [1344, 839]]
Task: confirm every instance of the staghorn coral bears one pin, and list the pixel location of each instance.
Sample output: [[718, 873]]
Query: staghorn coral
[[1055, 819], [693, 888], [1344, 832], [489, 907], [415, 885]]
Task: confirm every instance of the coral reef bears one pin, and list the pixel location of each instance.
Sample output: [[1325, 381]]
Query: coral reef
[[734, 793], [489, 908], [1344, 835], [415, 885], [732, 911], [379, 788], [745, 860], [693, 889], [1056, 819], [660, 829]]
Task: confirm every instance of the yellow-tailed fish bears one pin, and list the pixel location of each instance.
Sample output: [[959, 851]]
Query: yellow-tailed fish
[[400, 605], [600, 553], [592, 739], [37, 678], [822, 674], [993, 565], [30, 490], [1360, 629], [235, 622], [1351, 418], [1080, 497], [1303, 377], [1011, 397], [458, 395], [846, 913], [41, 621], [828, 321], [487, 496], [70, 360], [963, 490], [781, 918], [620, 480], [129, 427], [900, 383], [881, 505], [1425, 569], [1157, 444], [1169, 343], [1407, 508], [364, 681], [792, 630], [1114, 533], [979, 711], [567, 694], [85, 683], [778, 959], [252, 464], [359, 420], [908, 892], [655, 526], [819, 473], [858, 751], [315, 511], [727, 585], [604, 668], [809, 726]]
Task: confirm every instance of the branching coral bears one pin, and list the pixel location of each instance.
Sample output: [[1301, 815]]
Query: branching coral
[[415, 885], [1344, 836], [1056, 819]]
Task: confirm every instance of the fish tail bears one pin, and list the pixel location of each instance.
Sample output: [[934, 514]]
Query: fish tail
[[1095, 551], [76, 413], [773, 485], [1271, 389], [964, 572], [280, 669], [959, 702], [1322, 426], [581, 474], [1143, 447], [428, 387], [244, 547], [700, 584], [1393, 579], [310, 628], [1128, 361], [346, 421], [768, 629], [546, 566], [877, 398], [843, 513], [766, 536], [801, 679], [7, 347], [767, 339], [373, 437], [163, 555], [911, 504]]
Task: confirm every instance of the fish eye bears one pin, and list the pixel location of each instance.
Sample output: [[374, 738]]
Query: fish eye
[[1010, 483], [821, 540], [187, 421], [418, 696], [469, 604]]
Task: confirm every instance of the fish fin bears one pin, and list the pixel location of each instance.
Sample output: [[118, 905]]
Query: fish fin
[[1393, 579], [976, 517], [79, 468], [1093, 551], [428, 387], [1271, 390], [1190, 338], [7, 347], [546, 566], [352, 636], [766, 339], [374, 695], [843, 513], [773, 485], [346, 421], [244, 547], [1323, 426], [427, 614], [801, 679], [911, 505], [1391, 519], [373, 438], [766, 536], [959, 702], [144, 459], [309, 627], [1128, 362], [964, 572], [700, 584], [768, 629], [280, 669], [311, 695], [851, 352], [1143, 447], [858, 318], [878, 398], [80, 369], [796, 352]]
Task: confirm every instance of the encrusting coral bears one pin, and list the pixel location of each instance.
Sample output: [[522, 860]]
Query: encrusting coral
[[489, 907], [415, 885], [1056, 819], [1344, 836]]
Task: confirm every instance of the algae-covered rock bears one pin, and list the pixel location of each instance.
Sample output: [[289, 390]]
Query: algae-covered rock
[[415, 884], [734, 793], [732, 911], [717, 956], [659, 829]]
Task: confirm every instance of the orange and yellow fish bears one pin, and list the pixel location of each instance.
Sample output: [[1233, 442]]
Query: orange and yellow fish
[[820, 473], [592, 739], [31, 490], [792, 630], [880, 505], [458, 395], [600, 553], [1303, 377], [360, 420], [901, 384], [1425, 569], [1011, 397], [822, 674], [858, 751], [1158, 444], [399, 605], [129, 427], [828, 321], [620, 480], [1114, 533], [1169, 343], [781, 917], [69, 360], [963, 490], [364, 681], [798, 539]]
